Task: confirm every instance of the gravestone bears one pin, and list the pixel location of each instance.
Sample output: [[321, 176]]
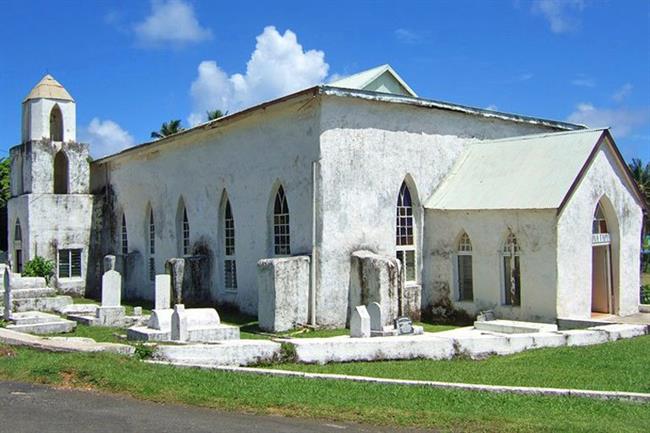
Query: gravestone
[[176, 269], [360, 322], [137, 311], [376, 319], [8, 298], [109, 263], [179, 324], [404, 325], [111, 289], [162, 292]]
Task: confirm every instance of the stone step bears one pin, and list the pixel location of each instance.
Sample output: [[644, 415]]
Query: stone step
[[30, 293], [53, 303], [32, 318], [54, 327]]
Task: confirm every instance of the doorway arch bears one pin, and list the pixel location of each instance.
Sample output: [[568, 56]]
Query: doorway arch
[[604, 258]]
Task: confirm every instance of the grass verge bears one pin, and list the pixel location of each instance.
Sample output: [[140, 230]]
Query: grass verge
[[444, 410], [621, 366]]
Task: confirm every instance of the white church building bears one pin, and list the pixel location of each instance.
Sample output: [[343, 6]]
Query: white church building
[[353, 191]]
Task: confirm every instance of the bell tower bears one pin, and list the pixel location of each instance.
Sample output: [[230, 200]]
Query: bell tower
[[50, 208]]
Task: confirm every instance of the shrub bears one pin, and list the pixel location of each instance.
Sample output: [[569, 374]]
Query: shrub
[[39, 267]]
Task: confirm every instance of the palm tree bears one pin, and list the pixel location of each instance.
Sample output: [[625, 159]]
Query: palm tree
[[215, 114], [168, 128], [641, 175]]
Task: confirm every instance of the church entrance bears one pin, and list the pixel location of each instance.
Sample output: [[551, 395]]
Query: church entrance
[[602, 292]]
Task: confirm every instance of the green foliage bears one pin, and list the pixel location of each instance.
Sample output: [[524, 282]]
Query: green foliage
[[167, 129], [39, 267], [641, 174], [144, 351], [215, 114], [5, 181], [645, 294]]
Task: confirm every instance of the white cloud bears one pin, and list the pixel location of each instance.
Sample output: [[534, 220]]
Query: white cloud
[[525, 77], [622, 120], [560, 14], [622, 93], [106, 137], [408, 36], [583, 81], [492, 107], [278, 66], [170, 22]]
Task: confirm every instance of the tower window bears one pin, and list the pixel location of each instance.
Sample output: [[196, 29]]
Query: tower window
[[18, 247], [56, 124], [61, 167]]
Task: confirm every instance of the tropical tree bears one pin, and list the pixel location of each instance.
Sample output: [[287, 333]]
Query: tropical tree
[[168, 128], [641, 174], [5, 180], [215, 114]]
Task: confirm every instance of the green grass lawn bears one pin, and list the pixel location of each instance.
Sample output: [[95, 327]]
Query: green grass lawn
[[101, 334], [443, 410], [622, 365]]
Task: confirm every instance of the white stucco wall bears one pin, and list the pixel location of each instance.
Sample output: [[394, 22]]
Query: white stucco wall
[[604, 177], [247, 158], [368, 148], [488, 231], [50, 222]]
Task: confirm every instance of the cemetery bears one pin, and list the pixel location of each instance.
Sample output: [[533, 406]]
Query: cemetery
[[198, 337]]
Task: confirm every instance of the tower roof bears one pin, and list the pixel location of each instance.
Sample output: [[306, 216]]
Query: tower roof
[[49, 88]]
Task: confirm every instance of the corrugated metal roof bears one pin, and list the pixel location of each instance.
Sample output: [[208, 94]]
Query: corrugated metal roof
[[529, 172], [49, 88], [364, 79]]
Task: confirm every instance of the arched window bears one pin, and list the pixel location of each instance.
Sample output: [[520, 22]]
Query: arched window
[[124, 239], [230, 263], [56, 124], [60, 173], [281, 228], [511, 271], [404, 236], [464, 268], [18, 247], [151, 237], [185, 227]]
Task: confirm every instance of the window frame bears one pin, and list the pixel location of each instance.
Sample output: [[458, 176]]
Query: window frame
[[229, 251], [511, 255], [405, 234], [124, 237], [68, 254], [151, 238], [281, 224], [464, 249]]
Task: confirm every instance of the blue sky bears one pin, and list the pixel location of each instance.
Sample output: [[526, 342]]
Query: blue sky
[[130, 65]]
